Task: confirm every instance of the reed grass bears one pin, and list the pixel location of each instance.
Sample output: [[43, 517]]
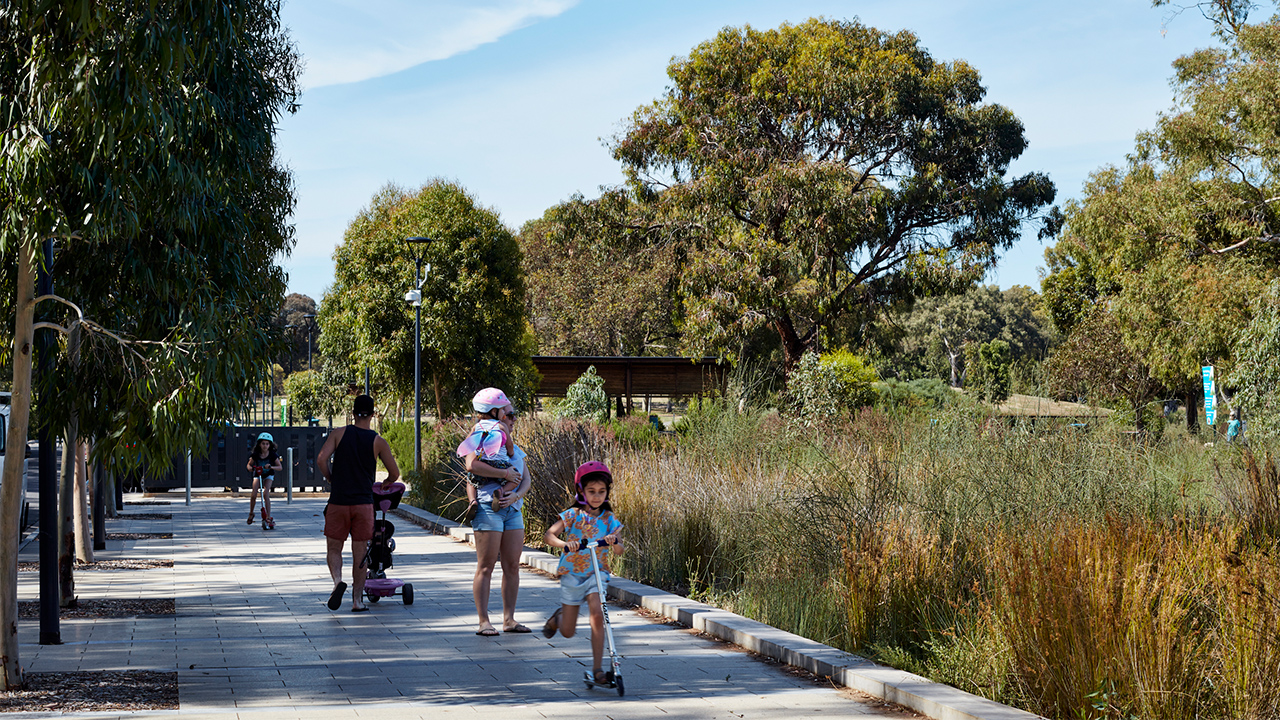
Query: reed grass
[[1073, 573]]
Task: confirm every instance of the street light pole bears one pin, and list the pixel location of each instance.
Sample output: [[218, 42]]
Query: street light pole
[[414, 297], [309, 326]]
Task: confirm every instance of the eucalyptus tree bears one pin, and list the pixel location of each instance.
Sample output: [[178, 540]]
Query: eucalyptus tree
[[475, 329], [139, 138], [596, 286], [821, 171], [1179, 241]]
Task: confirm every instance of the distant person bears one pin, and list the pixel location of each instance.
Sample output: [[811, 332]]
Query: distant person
[[1235, 428], [498, 521], [263, 465], [354, 450], [589, 520]]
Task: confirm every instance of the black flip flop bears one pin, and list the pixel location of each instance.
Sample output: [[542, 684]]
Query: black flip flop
[[335, 597], [360, 609]]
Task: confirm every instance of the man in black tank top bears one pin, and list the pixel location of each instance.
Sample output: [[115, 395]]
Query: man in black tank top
[[355, 450]]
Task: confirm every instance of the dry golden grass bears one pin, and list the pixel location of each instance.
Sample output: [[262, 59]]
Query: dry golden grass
[[1073, 573]]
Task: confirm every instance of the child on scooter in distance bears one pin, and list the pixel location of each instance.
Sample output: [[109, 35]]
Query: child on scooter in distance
[[590, 519], [263, 463]]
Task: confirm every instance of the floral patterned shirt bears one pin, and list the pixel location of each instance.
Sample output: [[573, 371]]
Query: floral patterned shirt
[[579, 525]]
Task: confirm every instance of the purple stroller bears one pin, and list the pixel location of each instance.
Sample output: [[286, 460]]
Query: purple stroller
[[386, 496]]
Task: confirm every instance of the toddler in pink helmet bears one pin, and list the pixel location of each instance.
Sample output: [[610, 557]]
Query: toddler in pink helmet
[[490, 441]]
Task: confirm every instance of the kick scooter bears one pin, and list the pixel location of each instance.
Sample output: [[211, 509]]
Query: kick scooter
[[613, 678]]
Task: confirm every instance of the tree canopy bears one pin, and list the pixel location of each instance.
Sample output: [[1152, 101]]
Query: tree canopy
[[928, 338], [594, 289], [815, 172], [474, 323], [140, 137], [1178, 242]]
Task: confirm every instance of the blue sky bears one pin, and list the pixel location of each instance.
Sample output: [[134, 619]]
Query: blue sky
[[515, 98]]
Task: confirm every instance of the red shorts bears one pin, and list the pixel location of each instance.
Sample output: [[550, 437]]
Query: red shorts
[[354, 520]]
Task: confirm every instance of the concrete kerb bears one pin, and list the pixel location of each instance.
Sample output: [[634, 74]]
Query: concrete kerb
[[920, 694]]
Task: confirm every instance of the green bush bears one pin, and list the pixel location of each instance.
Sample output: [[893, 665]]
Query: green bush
[[988, 366], [830, 385], [923, 394], [585, 399], [310, 397], [633, 432], [399, 435]]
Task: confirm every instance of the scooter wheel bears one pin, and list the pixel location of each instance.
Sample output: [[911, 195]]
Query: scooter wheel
[[373, 598], [618, 681], [407, 592]]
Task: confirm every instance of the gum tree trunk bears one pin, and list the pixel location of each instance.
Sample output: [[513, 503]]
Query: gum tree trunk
[[10, 490], [84, 531], [67, 521]]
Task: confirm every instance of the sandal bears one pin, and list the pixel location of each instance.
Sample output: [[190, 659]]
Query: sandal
[[335, 597], [517, 628], [488, 632]]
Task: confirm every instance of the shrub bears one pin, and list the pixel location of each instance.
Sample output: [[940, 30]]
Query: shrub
[[988, 374], [831, 385], [924, 394], [585, 399], [310, 397], [634, 432]]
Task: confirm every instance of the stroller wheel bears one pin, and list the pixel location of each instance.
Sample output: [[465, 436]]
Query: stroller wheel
[[618, 681], [407, 593], [372, 598]]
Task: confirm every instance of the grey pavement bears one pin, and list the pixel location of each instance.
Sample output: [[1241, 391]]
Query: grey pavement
[[253, 638]]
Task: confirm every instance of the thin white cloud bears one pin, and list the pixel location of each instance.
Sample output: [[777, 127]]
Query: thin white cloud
[[347, 41]]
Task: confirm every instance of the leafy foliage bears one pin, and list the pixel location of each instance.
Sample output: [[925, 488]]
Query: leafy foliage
[[989, 374], [143, 138], [932, 333], [293, 320], [1175, 243], [474, 330], [310, 396], [593, 288], [820, 171], [922, 393], [585, 399], [1095, 364], [1257, 372], [829, 386]]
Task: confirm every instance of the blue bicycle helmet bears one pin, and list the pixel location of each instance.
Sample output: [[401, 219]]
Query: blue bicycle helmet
[[265, 436]]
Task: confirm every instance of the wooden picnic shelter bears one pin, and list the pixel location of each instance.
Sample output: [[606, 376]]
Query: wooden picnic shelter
[[626, 378]]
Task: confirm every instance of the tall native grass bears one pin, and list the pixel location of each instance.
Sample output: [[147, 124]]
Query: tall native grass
[[1071, 572]]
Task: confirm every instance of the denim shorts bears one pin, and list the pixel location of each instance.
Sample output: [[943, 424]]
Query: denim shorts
[[489, 520], [574, 589]]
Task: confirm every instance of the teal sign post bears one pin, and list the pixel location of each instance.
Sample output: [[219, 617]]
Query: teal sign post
[[1210, 395]]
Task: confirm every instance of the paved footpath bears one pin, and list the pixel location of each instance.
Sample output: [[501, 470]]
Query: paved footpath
[[253, 638]]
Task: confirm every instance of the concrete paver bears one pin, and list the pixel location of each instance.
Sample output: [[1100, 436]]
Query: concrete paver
[[253, 638]]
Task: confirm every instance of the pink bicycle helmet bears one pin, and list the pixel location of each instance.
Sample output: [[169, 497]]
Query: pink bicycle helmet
[[589, 467], [591, 470], [490, 398]]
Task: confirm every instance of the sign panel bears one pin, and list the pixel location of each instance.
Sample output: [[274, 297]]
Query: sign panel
[[1210, 395]]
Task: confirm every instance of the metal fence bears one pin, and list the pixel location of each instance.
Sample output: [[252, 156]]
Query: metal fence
[[228, 453]]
